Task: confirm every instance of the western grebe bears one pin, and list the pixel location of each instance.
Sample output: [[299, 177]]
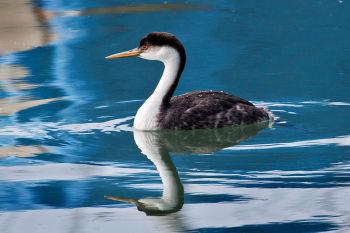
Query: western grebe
[[194, 110]]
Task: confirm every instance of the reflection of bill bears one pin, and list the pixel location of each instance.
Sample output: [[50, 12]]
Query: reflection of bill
[[22, 26], [157, 145]]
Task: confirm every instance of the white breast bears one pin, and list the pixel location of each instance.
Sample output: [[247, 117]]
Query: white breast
[[146, 116]]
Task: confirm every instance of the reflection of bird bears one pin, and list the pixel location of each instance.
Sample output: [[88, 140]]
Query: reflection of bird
[[207, 141], [157, 145], [194, 110], [173, 193]]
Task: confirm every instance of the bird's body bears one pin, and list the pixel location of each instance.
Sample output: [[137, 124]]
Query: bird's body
[[209, 109], [194, 110]]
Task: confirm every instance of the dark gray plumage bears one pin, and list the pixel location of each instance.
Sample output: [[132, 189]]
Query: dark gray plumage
[[209, 109]]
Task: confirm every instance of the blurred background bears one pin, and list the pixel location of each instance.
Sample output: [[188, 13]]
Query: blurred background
[[66, 118]]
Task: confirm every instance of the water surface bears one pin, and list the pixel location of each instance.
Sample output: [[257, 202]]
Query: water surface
[[71, 161]]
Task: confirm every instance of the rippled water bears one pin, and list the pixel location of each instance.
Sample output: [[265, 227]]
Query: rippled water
[[71, 162]]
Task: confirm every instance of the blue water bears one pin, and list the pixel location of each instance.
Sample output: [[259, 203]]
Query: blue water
[[71, 162]]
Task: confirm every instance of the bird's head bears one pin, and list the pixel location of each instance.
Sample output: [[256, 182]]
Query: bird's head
[[156, 46]]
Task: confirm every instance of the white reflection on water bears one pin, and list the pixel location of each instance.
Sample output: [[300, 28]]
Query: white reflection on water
[[272, 176], [327, 102], [265, 206], [300, 104], [79, 220], [107, 126], [128, 101], [338, 141], [270, 205], [41, 130], [65, 171]]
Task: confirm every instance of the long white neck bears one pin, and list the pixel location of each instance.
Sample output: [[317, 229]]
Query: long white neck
[[146, 116]]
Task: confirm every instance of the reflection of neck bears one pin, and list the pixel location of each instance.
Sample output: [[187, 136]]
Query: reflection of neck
[[172, 188]]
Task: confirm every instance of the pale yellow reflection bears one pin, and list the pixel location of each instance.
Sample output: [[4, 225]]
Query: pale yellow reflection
[[22, 151], [11, 105], [135, 8], [12, 78], [22, 26]]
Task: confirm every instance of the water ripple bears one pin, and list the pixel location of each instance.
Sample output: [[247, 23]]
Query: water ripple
[[41, 130], [65, 171], [338, 141]]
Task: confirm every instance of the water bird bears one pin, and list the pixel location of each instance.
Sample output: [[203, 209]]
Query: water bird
[[194, 110]]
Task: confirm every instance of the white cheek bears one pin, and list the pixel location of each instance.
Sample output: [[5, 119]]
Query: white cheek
[[148, 56], [158, 53], [151, 54]]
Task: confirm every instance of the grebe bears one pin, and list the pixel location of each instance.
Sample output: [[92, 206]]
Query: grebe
[[194, 110]]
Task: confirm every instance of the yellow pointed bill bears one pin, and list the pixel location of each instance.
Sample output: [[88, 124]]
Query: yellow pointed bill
[[130, 53]]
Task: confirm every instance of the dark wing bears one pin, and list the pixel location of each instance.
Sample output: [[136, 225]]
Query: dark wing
[[209, 109]]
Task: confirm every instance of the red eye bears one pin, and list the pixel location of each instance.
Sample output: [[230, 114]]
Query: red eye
[[144, 47]]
